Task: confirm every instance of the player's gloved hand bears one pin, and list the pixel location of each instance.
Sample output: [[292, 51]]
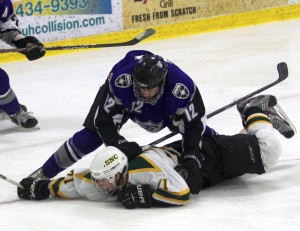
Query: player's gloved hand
[[193, 162], [130, 149], [34, 189], [136, 196], [34, 48]]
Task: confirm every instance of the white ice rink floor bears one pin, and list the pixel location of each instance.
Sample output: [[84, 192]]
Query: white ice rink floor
[[225, 65]]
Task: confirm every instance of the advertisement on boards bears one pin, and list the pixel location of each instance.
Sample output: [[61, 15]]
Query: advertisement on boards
[[54, 20], [146, 13]]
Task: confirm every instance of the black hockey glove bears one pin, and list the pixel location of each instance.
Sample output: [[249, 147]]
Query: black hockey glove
[[35, 49], [193, 162], [130, 149], [136, 196], [34, 189]]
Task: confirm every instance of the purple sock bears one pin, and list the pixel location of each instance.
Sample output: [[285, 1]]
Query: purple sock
[[8, 100], [81, 144]]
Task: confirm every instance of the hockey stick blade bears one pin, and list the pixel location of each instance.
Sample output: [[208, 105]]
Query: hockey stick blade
[[10, 181], [283, 74], [282, 70], [145, 34]]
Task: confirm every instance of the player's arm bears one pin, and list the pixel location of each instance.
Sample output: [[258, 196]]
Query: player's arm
[[193, 123], [143, 196], [11, 34], [62, 187], [153, 186], [109, 118], [9, 28], [194, 118], [190, 120]]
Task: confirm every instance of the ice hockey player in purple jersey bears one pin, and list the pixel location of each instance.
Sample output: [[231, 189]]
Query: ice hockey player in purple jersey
[[150, 91], [10, 33]]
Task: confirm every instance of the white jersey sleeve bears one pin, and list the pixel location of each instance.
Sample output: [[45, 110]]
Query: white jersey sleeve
[[155, 167], [9, 30], [77, 184]]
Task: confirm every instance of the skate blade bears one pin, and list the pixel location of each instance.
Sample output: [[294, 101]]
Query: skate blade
[[30, 129], [287, 134]]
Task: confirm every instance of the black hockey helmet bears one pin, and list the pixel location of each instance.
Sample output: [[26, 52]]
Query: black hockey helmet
[[150, 72]]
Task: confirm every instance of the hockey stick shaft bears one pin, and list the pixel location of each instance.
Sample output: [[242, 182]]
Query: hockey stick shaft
[[11, 181], [147, 33], [283, 74]]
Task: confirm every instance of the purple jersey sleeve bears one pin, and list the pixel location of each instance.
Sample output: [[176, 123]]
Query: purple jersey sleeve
[[179, 90], [9, 29], [6, 10]]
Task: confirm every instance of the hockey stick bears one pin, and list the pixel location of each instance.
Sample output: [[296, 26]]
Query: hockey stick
[[147, 33], [283, 74], [11, 181]]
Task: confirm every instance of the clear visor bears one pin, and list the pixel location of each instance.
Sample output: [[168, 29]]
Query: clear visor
[[110, 184], [148, 94], [106, 186]]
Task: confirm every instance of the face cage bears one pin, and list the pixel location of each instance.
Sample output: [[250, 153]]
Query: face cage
[[109, 185], [140, 96]]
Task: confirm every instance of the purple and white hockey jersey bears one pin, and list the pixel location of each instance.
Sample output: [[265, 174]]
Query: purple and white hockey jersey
[[9, 29], [180, 108]]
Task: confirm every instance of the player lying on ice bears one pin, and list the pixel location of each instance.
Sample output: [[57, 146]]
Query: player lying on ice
[[158, 177]]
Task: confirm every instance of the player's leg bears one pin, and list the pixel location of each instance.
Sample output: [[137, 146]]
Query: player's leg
[[80, 144], [258, 123], [10, 107], [72, 150], [254, 152], [269, 105]]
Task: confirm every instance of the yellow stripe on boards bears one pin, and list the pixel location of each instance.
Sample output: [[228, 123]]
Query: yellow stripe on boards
[[197, 26]]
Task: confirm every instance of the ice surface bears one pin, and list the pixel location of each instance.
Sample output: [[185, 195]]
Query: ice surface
[[225, 65]]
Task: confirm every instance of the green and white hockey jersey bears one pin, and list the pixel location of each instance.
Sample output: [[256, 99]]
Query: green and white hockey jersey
[[154, 167]]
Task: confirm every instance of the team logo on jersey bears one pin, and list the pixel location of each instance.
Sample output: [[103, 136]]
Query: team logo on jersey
[[150, 126], [123, 81], [181, 91]]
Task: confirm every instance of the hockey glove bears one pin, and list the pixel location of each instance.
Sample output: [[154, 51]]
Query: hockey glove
[[136, 196], [34, 189], [130, 149], [193, 162], [34, 48]]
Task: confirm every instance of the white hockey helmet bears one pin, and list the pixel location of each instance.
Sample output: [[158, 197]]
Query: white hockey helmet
[[109, 170]]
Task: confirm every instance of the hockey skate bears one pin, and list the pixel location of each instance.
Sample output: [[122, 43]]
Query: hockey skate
[[269, 105], [3, 115], [23, 118]]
